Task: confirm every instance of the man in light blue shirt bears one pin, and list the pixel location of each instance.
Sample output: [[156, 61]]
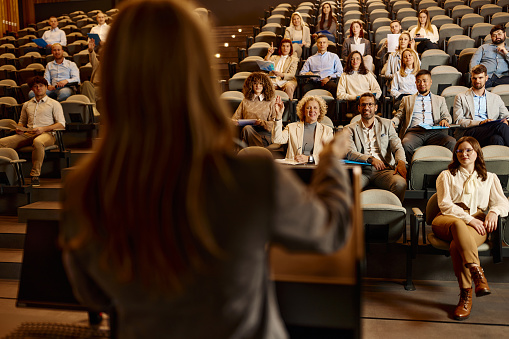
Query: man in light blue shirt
[[495, 57], [480, 113], [54, 35], [325, 65], [61, 75]]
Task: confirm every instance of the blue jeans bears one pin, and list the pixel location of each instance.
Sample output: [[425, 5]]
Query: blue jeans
[[59, 94], [494, 81]]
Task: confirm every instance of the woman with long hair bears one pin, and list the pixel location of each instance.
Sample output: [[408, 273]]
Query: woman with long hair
[[356, 38], [298, 32], [393, 63], [162, 222], [470, 201], [327, 24], [425, 30], [261, 105], [403, 83], [285, 66], [305, 138], [356, 79]]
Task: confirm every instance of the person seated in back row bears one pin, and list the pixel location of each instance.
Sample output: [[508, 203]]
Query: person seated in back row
[[357, 79], [285, 66], [476, 109], [423, 109], [374, 140]]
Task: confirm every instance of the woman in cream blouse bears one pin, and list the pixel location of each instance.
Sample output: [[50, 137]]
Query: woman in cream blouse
[[470, 201], [305, 138], [426, 30]]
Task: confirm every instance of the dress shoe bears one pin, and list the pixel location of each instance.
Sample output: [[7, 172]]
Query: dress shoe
[[481, 285], [464, 307]]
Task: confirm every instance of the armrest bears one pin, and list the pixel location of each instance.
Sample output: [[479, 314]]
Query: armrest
[[59, 139], [18, 161], [496, 241], [417, 212], [273, 147]]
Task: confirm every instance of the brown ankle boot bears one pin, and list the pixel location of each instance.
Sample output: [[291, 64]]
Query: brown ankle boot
[[481, 285], [464, 307]]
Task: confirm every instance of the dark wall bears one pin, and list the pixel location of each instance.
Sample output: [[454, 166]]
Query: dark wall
[[241, 12], [44, 11]]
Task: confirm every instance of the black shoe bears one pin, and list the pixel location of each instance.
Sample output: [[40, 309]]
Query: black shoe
[[35, 181]]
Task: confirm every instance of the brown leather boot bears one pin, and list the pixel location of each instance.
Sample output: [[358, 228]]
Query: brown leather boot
[[481, 285], [464, 307]]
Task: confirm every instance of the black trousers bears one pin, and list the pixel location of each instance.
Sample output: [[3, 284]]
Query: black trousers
[[496, 133]]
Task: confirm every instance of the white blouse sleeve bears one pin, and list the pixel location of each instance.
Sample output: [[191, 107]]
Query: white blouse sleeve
[[447, 206], [498, 202]]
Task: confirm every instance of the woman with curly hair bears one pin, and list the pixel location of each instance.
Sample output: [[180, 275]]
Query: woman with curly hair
[[357, 38], [470, 201], [305, 138], [356, 79], [261, 104], [426, 30]]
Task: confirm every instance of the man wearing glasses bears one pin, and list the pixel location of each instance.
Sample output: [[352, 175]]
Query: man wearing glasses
[[480, 113], [423, 118], [374, 140]]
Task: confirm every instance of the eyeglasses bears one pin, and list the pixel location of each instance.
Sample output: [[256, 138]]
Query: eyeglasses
[[461, 151], [369, 104]]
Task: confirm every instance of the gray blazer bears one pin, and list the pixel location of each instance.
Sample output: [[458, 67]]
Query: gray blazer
[[463, 111], [349, 41], [403, 116], [390, 145]]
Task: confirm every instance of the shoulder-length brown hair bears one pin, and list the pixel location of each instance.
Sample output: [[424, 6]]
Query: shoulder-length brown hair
[[361, 34], [301, 106], [268, 88], [348, 66], [281, 44], [428, 27], [480, 166], [140, 195]]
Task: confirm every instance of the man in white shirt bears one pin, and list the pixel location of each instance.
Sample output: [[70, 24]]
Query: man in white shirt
[[374, 140], [54, 35], [40, 115], [102, 28], [480, 113], [418, 113]]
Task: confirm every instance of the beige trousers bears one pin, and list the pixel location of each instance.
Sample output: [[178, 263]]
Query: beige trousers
[[464, 242], [38, 142]]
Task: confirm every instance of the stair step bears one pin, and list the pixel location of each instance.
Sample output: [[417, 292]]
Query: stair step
[[48, 191], [12, 233], [10, 263], [78, 154], [40, 210]]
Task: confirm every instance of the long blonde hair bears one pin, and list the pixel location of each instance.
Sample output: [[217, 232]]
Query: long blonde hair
[[140, 194], [416, 68]]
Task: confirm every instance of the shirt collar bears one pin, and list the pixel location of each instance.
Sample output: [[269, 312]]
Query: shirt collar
[[424, 96], [54, 29], [479, 96], [44, 99], [367, 128], [259, 97]]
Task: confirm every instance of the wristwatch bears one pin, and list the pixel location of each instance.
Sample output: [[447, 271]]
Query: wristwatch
[[370, 160], [311, 160]]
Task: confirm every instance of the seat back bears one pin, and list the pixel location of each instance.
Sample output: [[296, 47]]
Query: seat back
[[496, 158], [77, 109], [427, 163], [457, 43], [434, 57], [8, 175], [443, 77], [503, 91]]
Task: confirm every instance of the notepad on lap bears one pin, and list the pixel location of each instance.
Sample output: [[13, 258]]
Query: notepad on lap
[[40, 42], [94, 36]]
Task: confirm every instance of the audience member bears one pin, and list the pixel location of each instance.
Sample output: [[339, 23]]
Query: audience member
[[307, 137], [477, 111], [393, 63], [102, 27], [285, 66], [423, 109], [40, 115], [374, 140], [395, 27], [356, 79], [61, 74], [54, 35], [425, 30], [356, 42], [325, 65], [403, 83], [168, 252], [298, 33], [260, 104], [327, 24], [91, 88], [465, 192], [495, 56]]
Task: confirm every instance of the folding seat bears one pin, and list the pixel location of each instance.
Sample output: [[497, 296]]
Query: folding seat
[[75, 36], [79, 17], [26, 39], [305, 9], [477, 4], [268, 37], [352, 7], [384, 220], [496, 158], [443, 77], [81, 58], [8, 88], [459, 11], [8, 48], [30, 71], [85, 72], [447, 31], [30, 58], [434, 11], [258, 49], [380, 22], [10, 109], [450, 4], [396, 6], [76, 13], [65, 22], [450, 93], [500, 18], [308, 19], [8, 39], [112, 11], [406, 12], [232, 99], [277, 19], [463, 63], [425, 4], [440, 20], [249, 64], [87, 28], [434, 57], [83, 22], [479, 32], [488, 10], [93, 13], [281, 10], [8, 59], [469, 20], [11, 174], [503, 91], [26, 31], [41, 24], [76, 47], [276, 28], [376, 5], [426, 164], [408, 22], [378, 13], [78, 110], [26, 48], [329, 100], [8, 72], [457, 43], [356, 15]]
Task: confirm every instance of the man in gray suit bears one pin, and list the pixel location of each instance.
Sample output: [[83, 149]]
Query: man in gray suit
[[374, 140], [480, 113], [420, 112]]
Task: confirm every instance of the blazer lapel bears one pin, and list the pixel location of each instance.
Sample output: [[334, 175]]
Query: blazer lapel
[[378, 133], [318, 134], [470, 104], [287, 64], [360, 135], [300, 136], [410, 110]]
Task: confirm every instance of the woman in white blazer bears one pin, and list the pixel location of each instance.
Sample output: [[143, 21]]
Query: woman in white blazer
[[298, 32], [305, 138]]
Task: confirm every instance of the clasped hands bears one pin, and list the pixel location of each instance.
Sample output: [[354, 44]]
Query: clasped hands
[[489, 224], [399, 169]]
